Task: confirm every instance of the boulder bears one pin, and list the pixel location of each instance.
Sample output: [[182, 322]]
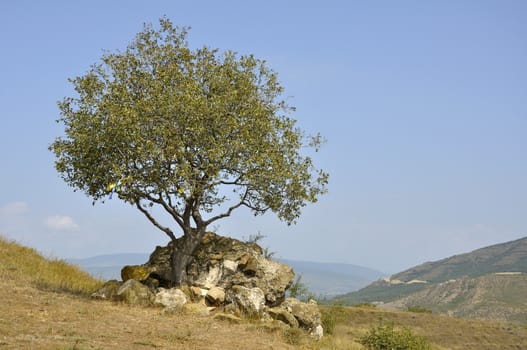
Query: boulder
[[135, 293], [225, 262], [108, 291], [172, 298], [281, 314], [318, 332], [273, 278], [307, 314], [250, 301], [197, 293], [215, 296], [137, 272]]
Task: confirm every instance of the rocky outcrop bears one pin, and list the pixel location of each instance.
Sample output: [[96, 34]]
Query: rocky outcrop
[[225, 275], [225, 262]]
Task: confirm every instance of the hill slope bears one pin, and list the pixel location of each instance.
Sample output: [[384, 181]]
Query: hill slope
[[456, 284], [40, 311], [45, 306], [494, 297], [504, 257]]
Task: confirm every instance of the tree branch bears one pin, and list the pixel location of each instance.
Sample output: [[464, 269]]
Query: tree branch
[[175, 215], [154, 221], [229, 211]]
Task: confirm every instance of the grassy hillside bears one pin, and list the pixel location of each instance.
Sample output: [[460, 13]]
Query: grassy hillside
[[505, 257], [443, 332], [496, 297], [24, 265], [45, 306], [377, 291]]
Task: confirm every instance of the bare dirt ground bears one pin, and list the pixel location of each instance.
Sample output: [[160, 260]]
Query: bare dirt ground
[[35, 319]]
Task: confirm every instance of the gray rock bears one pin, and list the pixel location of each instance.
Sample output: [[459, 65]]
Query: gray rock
[[250, 301], [172, 298], [108, 291], [281, 314], [197, 293], [318, 332], [135, 293], [215, 296], [307, 314]]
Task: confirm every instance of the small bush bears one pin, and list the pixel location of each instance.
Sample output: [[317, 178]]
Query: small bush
[[331, 316], [370, 305], [385, 337], [298, 289], [419, 309], [329, 319]]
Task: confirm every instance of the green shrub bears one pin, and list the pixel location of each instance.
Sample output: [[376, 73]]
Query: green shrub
[[370, 305], [385, 337], [419, 309], [329, 318], [298, 289]]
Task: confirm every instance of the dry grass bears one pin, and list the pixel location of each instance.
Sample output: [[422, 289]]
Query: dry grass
[[443, 332], [19, 263], [44, 305]]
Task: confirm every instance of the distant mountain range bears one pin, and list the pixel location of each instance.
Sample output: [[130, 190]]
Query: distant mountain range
[[321, 279], [490, 282]]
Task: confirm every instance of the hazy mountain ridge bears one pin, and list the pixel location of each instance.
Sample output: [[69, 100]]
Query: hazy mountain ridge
[[322, 279]]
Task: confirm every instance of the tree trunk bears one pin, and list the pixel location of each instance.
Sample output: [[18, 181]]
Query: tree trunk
[[184, 247]]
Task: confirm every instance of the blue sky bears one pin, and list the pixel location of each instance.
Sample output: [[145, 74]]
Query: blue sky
[[423, 104]]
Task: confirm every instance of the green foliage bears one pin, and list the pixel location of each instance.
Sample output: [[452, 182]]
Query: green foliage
[[369, 305], [255, 239], [332, 315], [267, 253], [386, 337], [182, 128], [299, 290], [419, 309], [379, 292], [329, 320]]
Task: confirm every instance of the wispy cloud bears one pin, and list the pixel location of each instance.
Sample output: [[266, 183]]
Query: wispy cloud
[[14, 209], [61, 222]]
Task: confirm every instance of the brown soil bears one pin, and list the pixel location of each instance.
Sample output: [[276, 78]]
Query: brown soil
[[35, 319]]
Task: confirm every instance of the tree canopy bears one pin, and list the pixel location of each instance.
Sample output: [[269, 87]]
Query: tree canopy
[[197, 132]]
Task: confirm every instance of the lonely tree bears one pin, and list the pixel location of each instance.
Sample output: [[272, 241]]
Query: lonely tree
[[195, 132]]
